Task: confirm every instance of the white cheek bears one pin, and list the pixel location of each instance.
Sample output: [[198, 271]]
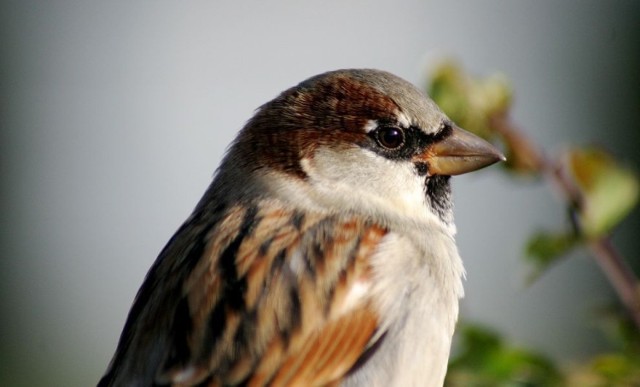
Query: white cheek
[[358, 179]]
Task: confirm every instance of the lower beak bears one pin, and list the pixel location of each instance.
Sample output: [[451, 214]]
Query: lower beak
[[458, 153]]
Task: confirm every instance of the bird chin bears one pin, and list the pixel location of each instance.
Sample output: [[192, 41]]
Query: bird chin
[[438, 196]]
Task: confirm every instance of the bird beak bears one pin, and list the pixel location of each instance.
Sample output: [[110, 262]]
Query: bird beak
[[458, 153]]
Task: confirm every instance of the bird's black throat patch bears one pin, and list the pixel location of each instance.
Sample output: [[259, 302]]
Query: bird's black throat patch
[[438, 194]]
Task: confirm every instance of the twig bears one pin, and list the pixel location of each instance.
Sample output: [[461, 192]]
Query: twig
[[619, 274]]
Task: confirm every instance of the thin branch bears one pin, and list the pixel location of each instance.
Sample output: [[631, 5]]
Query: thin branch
[[619, 274]]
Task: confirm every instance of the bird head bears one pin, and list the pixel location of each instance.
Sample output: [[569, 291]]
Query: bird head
[[362, 141]]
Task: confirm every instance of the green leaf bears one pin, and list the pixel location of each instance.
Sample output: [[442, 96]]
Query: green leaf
[[619, 329], [485, 359], [544, 248], [612, 369], [609, 191], [470, 102]]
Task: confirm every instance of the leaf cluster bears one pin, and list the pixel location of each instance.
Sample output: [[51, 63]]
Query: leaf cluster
[[598, 192]]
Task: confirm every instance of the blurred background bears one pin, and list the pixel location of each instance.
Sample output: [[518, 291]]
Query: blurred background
[[114, 116]]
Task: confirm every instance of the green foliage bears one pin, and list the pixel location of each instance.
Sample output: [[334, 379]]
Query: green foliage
[[486, 360], [608, 190], [599, 193], [545, 248], [605, 193], [617, 368], [613, 369], [467, 101]]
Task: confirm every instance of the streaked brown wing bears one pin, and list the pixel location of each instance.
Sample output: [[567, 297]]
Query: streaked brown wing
[[277, 297], [329, 353]]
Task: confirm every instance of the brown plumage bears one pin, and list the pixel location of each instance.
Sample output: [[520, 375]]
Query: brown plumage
[[242, 300]]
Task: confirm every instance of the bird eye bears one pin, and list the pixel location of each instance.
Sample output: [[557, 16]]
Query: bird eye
[[390, 137]]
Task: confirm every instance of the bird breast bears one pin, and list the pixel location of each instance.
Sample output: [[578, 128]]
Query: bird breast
[[417, 285]]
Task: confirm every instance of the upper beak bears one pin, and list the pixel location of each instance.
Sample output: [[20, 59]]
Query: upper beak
[[459, 153]]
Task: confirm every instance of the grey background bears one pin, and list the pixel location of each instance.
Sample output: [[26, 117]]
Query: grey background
[[114, 116]]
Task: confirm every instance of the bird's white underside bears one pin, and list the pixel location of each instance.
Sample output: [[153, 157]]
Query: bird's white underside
[[416, 291]]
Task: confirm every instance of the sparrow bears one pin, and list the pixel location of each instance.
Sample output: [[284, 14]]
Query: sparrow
[[322, 254]]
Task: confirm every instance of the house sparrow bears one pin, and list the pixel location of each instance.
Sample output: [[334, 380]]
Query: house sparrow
[[323, 252]]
